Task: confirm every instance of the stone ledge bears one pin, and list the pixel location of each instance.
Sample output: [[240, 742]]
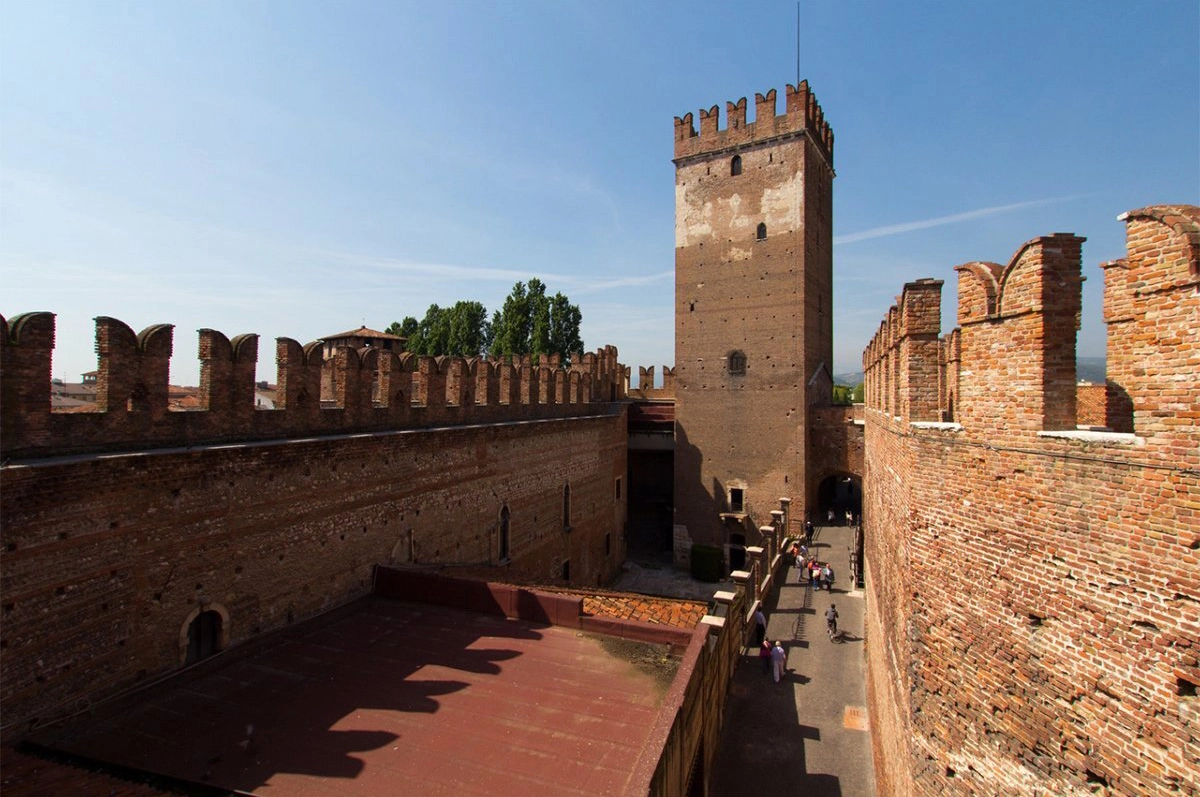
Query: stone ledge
[[1092, 436]]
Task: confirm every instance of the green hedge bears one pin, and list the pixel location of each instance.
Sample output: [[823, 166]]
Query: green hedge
[[707, 563]]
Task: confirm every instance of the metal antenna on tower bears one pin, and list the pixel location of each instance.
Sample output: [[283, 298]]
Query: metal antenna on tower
[[797, 43]]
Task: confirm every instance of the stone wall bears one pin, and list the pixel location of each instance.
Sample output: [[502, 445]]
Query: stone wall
[[1033, 607]]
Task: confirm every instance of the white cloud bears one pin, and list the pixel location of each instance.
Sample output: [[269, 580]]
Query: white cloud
[[909, 226]]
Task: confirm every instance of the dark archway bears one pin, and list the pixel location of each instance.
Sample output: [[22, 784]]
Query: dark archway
[[204, 637], [840, 493]]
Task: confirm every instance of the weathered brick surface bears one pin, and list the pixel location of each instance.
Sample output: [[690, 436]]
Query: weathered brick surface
[[753, 327], [107, 557], [1033, 607]]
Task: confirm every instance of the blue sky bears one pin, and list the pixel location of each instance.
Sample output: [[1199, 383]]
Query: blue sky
[[299, 168]]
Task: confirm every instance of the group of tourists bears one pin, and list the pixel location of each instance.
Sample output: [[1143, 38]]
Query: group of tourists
[[818, 574]]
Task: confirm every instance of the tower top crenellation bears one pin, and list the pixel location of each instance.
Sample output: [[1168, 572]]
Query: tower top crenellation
[[802, 115]]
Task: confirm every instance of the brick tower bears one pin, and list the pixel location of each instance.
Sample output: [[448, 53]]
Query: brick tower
[[753, 327]]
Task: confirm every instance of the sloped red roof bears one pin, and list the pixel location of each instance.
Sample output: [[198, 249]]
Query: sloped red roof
[[363, 332]]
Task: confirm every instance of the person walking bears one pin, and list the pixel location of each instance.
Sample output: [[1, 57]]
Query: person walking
[[764, 655], [809, 530], [760, 626], [778, 659], [827, 577], [831, 618]]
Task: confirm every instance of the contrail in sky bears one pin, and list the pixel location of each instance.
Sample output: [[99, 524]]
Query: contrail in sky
[[908, 226]]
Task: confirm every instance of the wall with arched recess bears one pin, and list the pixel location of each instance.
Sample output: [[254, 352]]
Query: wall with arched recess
[[1033, 605]]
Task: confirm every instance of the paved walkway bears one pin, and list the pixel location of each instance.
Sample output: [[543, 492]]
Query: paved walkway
[[807, 734]]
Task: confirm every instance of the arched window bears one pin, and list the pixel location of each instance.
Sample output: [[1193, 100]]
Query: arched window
[[737, 362], [735, 166], [762, 231], [503, 533], [204, 637]]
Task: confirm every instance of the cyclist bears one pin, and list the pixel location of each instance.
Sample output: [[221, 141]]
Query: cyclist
[[831, 618]]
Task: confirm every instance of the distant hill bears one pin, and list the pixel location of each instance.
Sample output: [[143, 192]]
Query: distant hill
[[1090, 369]]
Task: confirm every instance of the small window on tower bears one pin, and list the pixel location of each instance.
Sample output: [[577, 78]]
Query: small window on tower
[[737, 500], [735, 166], [737, 362], [762, 231]]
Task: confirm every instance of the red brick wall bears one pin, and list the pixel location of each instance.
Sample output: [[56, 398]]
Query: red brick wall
[[836, 445], [105, 558], [1090, 405], [1033, 607]]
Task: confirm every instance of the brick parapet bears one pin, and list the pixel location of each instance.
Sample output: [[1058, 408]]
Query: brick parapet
[[1008, 371], [1152, 309], [365, 390], [802, 116], [1032, 610]]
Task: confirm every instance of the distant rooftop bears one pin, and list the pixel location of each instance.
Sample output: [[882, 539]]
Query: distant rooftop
[[363, 332]]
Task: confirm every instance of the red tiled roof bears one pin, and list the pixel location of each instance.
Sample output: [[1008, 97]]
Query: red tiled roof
[[362, 332]]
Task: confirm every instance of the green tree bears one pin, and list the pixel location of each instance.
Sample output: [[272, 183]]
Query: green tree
[[405, 329], [459, 331], [468, 329], [565, 319], [510, 324], [857, 394], [533, 323]]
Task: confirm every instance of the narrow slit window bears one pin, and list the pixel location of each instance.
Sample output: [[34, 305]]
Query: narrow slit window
[[735, 166], [761, 234], [566, 507], [503, 534]]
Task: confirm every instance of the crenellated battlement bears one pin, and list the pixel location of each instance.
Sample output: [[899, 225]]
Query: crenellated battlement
[[646, 388], [364, 390], [1009, 367], [802, 115]]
